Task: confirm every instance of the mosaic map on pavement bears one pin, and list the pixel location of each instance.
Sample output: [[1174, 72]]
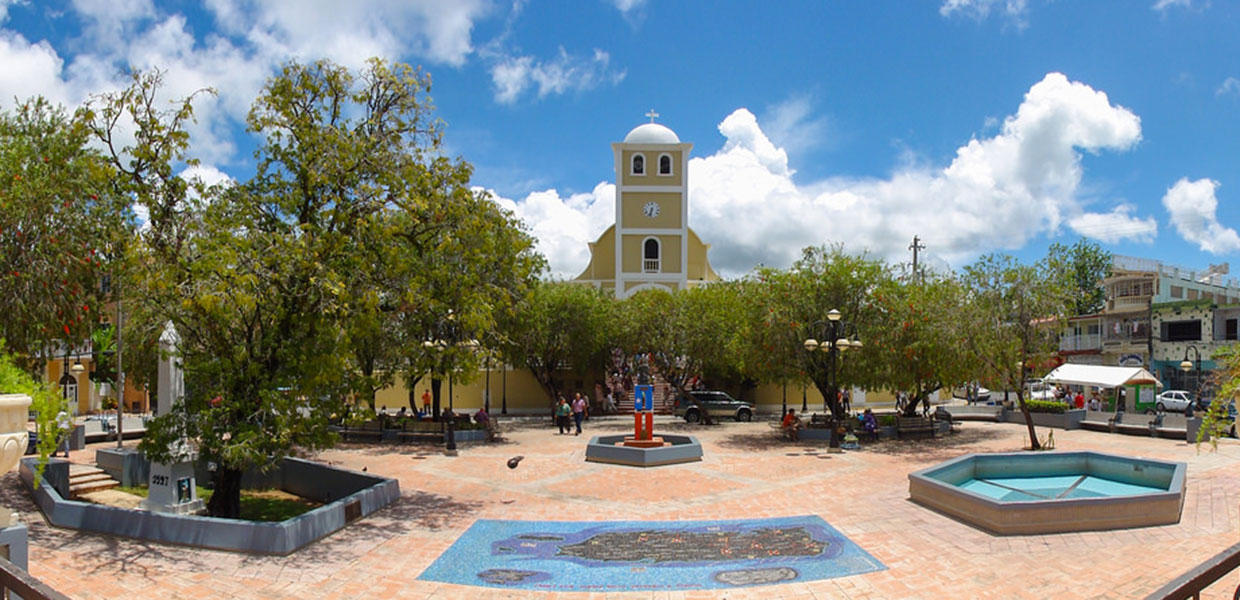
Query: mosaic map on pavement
[[648, 555]]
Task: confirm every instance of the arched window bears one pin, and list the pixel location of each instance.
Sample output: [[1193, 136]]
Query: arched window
[[69, 387], [639, 164], [665, 164], [650, 255]]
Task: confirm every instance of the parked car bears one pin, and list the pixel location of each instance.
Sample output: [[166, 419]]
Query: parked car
[[718, 404], [32, 444], [982, 394], [1039, 390], [1175, 401]]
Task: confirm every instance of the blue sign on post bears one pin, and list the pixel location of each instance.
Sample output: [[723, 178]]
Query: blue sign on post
[[643, 398]]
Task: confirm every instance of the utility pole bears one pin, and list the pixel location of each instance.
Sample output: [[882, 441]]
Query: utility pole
[[916, 246]]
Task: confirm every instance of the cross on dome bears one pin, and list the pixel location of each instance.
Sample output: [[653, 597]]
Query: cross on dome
[[652, 115]]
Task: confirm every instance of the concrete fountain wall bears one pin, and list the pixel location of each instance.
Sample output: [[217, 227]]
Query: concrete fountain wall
[[937, 487]]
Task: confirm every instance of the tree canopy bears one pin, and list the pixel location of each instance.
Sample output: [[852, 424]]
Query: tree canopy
[[58, 216], [351, 232]]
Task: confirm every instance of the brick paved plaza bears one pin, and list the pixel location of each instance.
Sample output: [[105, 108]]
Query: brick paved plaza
[[747, 473]]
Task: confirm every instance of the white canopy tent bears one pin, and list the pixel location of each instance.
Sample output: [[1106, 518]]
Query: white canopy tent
[[1100, 376]]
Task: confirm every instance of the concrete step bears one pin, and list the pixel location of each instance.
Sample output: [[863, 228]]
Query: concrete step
[[77, 489], [78, 479], [80, 469]]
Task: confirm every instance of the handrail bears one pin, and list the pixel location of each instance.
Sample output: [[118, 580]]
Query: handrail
[[16, 579], [1200, 577]]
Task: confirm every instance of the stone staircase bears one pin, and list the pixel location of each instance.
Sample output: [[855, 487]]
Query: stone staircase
[[84, 479], [664, 398]]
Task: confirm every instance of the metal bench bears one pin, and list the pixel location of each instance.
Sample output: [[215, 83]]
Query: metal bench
[[1171, 425], [1133, 423], [1097, 420]]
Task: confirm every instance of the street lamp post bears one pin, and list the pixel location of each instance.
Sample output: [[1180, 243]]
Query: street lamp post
[[504, 393], [837, 336], [486, 402], [1187, 365]]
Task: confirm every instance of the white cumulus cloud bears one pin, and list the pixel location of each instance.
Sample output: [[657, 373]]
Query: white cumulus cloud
[[1229, 87], [1164, 5], [1193, 206], [513, 75], [997, 193], [351, 32], [1013, 10], [1115, 226]]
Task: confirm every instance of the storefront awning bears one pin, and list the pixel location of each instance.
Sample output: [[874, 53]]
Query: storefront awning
[[1100, 376]]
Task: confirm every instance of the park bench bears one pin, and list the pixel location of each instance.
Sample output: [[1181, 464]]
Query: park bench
[[369, 430], [820, 421], [1133, 423], [420, 431], [1171, 425], [1097, 420], [916, 425]]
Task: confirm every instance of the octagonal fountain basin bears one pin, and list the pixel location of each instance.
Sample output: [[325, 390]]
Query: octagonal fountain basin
[[1050, 492], [676, 449]]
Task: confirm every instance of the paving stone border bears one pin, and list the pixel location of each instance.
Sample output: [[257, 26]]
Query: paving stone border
[[347, 496]]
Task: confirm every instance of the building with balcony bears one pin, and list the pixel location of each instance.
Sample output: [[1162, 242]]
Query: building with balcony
[[1124, 332]]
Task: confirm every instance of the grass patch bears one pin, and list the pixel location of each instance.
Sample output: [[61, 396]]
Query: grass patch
[[256, 505]]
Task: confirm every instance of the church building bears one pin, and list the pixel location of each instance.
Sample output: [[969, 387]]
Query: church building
[[650, 246]]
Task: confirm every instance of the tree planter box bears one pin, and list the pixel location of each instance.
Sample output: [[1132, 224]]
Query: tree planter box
[[468, 435], [976, 412], [346, 495], [887, 433], [1068, 420]]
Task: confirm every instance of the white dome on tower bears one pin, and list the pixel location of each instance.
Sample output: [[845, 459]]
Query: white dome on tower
[[651, 133]]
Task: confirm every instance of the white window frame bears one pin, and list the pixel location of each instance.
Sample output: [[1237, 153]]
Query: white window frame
[[670, 168], [652, 265], [633, 164]]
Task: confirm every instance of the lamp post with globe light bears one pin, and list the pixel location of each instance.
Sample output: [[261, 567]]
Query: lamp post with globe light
[[828, 339], [1187, 366]]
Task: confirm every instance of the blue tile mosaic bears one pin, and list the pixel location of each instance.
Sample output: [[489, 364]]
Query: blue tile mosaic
[[648, 555]]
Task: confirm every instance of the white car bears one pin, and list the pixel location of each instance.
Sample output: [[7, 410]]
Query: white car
[[1174, 400], [1038, 390]]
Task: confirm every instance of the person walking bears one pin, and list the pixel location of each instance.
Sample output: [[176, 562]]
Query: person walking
[[579, 411], [562, 410]]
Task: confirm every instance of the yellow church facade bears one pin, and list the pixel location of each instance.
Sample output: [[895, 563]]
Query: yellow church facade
[[650, 246]]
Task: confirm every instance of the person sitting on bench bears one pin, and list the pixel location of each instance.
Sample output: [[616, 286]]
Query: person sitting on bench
[[791, 425], [869, 424]]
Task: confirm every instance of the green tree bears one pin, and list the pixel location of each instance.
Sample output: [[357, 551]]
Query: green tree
[[260, 278], [1015, 313], [57, 214], [825, 278], [45, 402], [462, 268], [1083, 266], [1218, 420], [685, 334], [558, 329], [916, 344]]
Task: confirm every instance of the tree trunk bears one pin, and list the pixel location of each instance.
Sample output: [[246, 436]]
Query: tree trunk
[[226, 499], [1024, 410], [547, 382], [413, 399], [435, 385]]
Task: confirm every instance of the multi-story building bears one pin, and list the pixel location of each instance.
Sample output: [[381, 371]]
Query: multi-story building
[[1144, 323]]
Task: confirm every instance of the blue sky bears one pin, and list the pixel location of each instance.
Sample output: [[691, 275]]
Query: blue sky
[[978, 125]]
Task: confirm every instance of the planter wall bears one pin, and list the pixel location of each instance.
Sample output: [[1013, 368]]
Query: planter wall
[[349, 496], [1068, 420]]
